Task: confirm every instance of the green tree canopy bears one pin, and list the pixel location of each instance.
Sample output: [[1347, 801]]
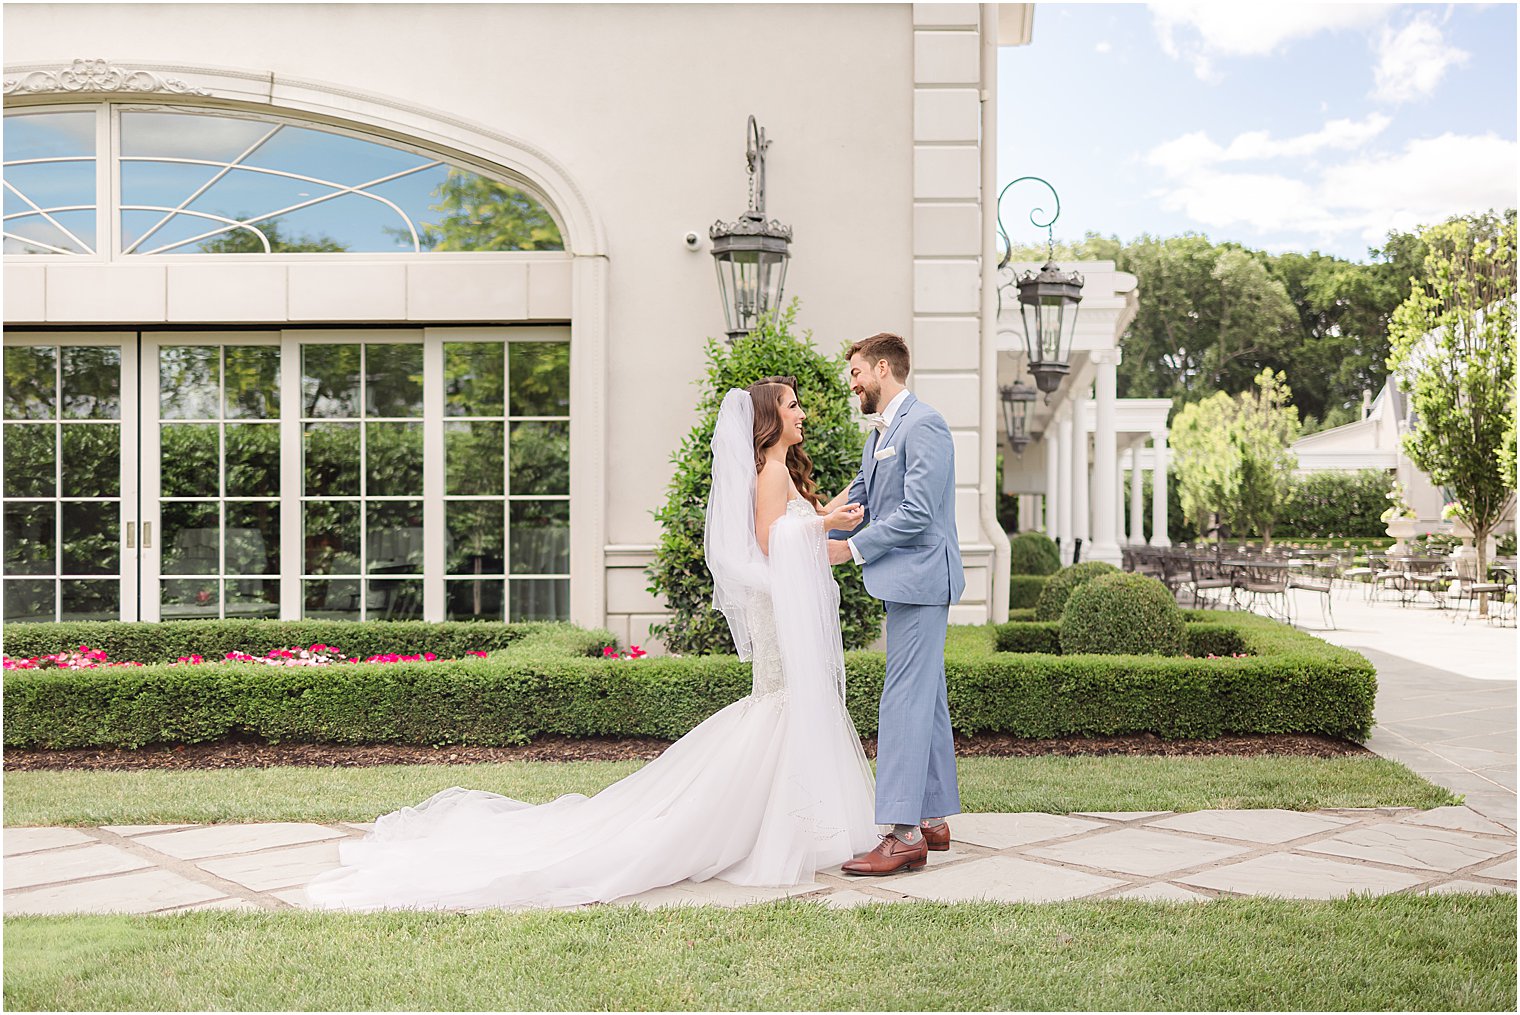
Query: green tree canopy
[[1453, 349], [1232, 456]]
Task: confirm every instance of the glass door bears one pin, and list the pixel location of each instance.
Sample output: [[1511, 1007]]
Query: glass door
[[212, 486], [68, 443]]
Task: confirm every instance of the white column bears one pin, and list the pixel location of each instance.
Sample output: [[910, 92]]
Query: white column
[[1063, 483], [1158, 490], [1052, 478], [1119, 502], [1081, 520], [1136, 496], [1105, 521]]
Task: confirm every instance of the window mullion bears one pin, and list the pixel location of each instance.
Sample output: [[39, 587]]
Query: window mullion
[[434, 527]]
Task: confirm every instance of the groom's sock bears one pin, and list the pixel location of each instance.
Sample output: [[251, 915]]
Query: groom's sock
[[934, 822], [907, 833]]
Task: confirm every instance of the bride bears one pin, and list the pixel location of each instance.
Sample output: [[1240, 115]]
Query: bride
[[764, 792]]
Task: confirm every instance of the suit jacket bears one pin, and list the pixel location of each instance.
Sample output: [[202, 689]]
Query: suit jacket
[[907, 537]]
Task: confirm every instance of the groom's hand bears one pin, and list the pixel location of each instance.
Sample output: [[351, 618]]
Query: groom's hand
[[839, 551]]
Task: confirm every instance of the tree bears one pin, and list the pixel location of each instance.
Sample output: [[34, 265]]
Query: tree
[[1210, 318], [243, 241], [834, 442], [482, 214], [1233, 457], [1453, 349]]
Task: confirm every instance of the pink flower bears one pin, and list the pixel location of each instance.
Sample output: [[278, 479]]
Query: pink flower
[[481, 655], [634, 652], [609, 652]]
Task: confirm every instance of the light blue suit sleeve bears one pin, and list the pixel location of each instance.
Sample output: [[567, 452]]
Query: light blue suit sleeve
[[929, 455], [857, 496]]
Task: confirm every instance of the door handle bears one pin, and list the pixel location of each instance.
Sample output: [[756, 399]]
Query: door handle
[[147, 535], [131, 535]]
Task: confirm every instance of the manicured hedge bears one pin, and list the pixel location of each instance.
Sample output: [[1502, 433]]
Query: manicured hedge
[[1059, 585], [1122, 614], [542, 685], [1203, 636], [1024, 591], [1034, 553], [213, 639]]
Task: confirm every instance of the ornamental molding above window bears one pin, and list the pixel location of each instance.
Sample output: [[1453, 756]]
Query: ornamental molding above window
[[96, 76]]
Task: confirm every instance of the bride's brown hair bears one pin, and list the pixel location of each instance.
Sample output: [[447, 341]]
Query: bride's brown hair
[[766, 395]]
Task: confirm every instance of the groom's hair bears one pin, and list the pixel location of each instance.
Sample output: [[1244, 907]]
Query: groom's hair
[[885, 346]]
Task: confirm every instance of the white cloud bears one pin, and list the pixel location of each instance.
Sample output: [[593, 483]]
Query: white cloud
[[1412, 60], [1104, 47], [1197, 150], [1199, 32], [1429, 180]]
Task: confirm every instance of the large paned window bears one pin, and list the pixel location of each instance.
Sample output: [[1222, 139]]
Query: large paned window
[[68, 442], [356, 475], [196, 181]]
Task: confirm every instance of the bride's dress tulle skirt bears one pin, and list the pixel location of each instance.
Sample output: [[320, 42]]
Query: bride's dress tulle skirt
[[764, 792]]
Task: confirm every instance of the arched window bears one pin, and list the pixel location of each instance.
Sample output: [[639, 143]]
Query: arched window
[[184, 181]]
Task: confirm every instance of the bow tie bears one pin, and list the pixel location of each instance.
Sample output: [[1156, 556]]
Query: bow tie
[[876, 421]]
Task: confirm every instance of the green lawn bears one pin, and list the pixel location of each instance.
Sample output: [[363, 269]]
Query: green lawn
[[1391, 953], [1052, 784]]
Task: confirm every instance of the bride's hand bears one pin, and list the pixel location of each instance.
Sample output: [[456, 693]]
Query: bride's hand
[[845, 518]]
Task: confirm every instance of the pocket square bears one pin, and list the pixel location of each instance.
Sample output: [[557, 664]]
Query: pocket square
[[884, 453]]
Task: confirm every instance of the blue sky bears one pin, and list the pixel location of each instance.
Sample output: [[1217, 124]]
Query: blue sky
[[1279, 126]]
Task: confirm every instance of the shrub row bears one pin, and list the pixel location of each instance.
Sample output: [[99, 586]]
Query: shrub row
[[541, 686], [213, 639], [1201, 637], [1024, 590]]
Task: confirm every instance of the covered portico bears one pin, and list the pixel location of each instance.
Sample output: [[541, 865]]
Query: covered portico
[[1070, 479]]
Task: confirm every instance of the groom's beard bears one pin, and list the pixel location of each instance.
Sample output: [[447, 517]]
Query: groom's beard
[[868, 402]]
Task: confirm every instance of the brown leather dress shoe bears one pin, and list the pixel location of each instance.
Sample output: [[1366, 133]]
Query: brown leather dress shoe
[[937, 836], [890, 856]]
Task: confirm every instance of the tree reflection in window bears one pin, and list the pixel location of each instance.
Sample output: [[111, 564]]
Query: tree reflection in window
[[203, 182]]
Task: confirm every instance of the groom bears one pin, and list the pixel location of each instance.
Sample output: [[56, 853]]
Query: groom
[[911, 555]]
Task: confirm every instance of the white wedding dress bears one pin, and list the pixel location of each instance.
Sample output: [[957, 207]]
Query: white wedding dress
[[763, 792]]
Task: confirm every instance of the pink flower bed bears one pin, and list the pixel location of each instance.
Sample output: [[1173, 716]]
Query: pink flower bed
[[86, 658], [634, 652]]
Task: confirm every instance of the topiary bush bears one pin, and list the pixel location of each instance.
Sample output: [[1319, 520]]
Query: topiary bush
[[834, 440], [1059, 585], [1122, 614], [1024, 590], [1034, 553]]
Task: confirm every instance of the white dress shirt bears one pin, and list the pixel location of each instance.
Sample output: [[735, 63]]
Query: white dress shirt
[[888, 414]]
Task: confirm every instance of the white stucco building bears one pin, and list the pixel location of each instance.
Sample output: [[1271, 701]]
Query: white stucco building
[[389, 311]]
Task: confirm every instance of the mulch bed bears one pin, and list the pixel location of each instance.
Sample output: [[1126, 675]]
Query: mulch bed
[[253, 754]]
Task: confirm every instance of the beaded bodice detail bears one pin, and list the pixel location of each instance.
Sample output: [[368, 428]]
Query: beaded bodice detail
[[766, 650]]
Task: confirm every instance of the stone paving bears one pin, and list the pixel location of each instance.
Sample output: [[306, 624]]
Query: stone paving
[[1446, 692], [1031, 857]]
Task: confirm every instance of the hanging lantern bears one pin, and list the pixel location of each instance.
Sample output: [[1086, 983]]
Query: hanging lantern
[[1017, 400], [1048, 303], [751, 253]]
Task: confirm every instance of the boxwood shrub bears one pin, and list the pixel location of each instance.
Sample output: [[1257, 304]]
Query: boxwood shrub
[[546, 685], [1058, 586], [1024, 591], [1034, 553], [213, 639], [1122, 614]]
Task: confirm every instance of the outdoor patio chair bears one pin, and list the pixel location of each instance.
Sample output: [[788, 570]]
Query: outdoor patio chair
[[1469, 586], [1205, 575], [1320, 581], [1426, 574], [1267, 585]]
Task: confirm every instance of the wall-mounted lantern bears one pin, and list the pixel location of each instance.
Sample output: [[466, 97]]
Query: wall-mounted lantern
[[1048, 302], [1017, 399], [751, 253]]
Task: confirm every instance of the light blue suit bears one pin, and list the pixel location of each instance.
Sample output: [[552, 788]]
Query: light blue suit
[[912, 562]]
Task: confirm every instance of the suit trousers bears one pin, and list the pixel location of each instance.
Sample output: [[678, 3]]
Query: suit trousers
[[915, 750]]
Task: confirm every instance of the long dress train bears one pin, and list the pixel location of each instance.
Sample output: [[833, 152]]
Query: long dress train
[[764, 792]]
